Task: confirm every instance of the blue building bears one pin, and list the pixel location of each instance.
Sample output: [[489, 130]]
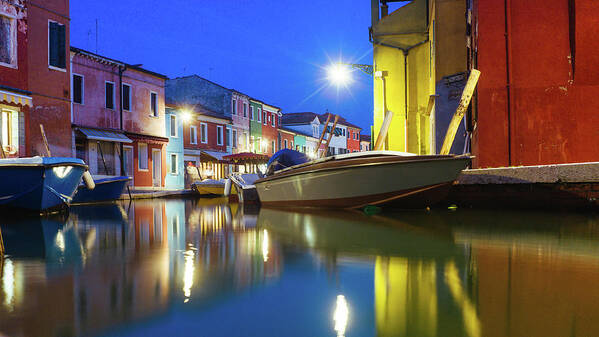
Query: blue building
[[175, 169]]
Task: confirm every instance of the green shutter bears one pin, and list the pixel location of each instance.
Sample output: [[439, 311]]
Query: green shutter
[[62, 47]]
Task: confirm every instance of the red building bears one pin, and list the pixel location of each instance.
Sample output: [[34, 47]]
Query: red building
[[536, 101], [286, 136], [100, 134], [15, 99], [205, 141], [353, 138], [271, 121], [49, 77]]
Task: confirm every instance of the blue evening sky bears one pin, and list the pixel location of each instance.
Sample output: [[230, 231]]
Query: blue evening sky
[[274, 51]]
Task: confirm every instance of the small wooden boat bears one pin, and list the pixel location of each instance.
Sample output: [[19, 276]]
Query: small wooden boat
[[209, 187], [243, 184], [107, 189], [39, 183], [360, 179]]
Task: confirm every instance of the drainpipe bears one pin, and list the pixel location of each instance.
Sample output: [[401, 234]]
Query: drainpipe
[[508, 62], [122, 155], [405, 74]]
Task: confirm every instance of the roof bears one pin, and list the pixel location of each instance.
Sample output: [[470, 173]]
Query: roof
[[365, 138], [284, 129], [247, 157], [207, 155], [105, 59], [298, 117], [104, 135], [342, 121]]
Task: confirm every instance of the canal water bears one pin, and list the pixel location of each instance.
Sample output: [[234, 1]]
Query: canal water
[[206, 268]]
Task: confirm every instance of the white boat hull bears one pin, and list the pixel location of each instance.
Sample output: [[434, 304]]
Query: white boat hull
[[360, 185]]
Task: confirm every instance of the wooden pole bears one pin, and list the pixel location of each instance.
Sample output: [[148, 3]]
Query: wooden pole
[[330, 135], [383, 132], [45, 140], [324, 129], [459, 113]]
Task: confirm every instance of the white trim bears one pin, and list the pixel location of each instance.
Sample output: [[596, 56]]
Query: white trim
[[14, 56], [203, 140], [215, 120], [130, 96], [219, 132], [193, 140], [176, 173], [82, 88], [157, 111], [113, 96], [170, 124]]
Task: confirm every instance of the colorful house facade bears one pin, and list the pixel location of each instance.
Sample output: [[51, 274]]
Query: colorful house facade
[[353, 138], [15, 99], [175, 169], [256, 144], [287, 138], [240, 129], [365, 143], [270, 122], [109, 124]]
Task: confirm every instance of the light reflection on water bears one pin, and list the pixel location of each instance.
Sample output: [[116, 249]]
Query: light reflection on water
[[189, 268]]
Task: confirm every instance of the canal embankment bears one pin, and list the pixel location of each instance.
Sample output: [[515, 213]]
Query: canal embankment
[[154, 194], [560, 186]]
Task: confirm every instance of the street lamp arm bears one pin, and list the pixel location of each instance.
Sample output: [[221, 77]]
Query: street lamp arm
[[366, 68]]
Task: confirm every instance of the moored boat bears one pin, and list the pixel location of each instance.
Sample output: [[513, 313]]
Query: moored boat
[[107, 189], [243, 184], [209, 187], [360, 179], [39, 183]]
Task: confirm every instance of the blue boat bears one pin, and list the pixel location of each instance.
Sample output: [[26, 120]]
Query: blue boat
[[39, 183], [107, 189]]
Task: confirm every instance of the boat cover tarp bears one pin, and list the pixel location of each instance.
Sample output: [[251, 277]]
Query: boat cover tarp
[[284, 159], [29, 161]]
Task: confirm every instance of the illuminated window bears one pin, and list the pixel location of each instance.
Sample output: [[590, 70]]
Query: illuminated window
[[10, 131]]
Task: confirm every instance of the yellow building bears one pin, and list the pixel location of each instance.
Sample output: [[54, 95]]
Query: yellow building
[[405, 44]]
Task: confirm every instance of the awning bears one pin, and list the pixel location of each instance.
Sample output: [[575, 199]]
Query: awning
[[107, 136], [212, 156], [247, 158], [14, 98]]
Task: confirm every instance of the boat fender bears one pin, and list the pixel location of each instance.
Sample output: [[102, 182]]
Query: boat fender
[[88, 180], [227, 187]]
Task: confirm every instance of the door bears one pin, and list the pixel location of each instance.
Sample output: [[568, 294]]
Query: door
[[156, 168], [128, 158]]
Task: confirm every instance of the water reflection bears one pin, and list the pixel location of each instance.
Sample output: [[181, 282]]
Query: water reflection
[[183, 267]]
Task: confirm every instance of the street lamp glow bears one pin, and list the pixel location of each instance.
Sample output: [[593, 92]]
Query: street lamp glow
[[339, 74], [186, 116]]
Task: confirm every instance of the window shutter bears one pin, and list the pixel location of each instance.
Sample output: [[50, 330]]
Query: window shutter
[[53, 36], [61, 52]]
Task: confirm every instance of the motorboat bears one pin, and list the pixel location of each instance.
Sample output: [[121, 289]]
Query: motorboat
[[39, 183], [209, 187], [106, 189], [243, 184], [359, 179]]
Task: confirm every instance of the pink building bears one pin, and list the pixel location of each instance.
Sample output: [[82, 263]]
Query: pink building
[[107, 120], [240, 130]]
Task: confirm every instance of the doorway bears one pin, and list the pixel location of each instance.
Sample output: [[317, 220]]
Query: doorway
[[156, 168], [128, 158]]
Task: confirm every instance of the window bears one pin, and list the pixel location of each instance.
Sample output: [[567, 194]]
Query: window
[[245, 109], [234, 142], [265, 118], [228, 138], [234, 107], [8, 41], [109, 95], [314, 130], [57, 49], [173, 126], [174, 164], [348, 134], [193, 135], [274, 120], [259, 115], [142, 155], [343, 132], [251, 113], [304, 149], [219, 135], [9, 121], [204, 132], [273, 146], [126, 96], [285, 142], [154, 104], [291, 145], [78, 89]]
